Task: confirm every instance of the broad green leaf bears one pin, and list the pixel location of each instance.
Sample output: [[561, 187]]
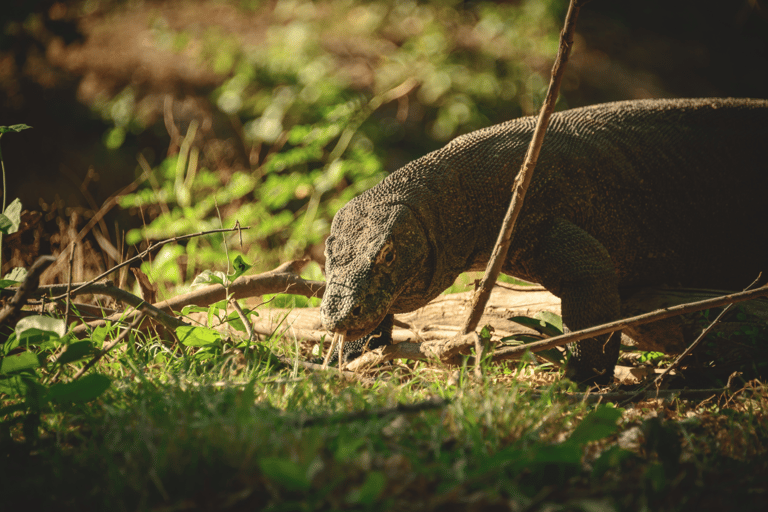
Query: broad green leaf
[[41, 323], [14, 385], [597, 425], [46, 340], [241, 267], [371, 489], [5, 411], [5, 224], [233, 319], [191, 308], [208, 277], [194, 336], [538, 325], [534, 458], [5, 283], [610, 458], [11, 343], [559, 454], [520, 339], [17, 274], [550, 318], [14, 128], [18, 362], [551, 354], [76, 351], [84, 389], [11, 217], [99, 335], [285, 473]]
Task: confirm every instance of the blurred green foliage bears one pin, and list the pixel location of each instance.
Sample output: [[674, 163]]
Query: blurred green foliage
[[333, 96]]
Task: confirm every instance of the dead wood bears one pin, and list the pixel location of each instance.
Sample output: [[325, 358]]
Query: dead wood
[[523, 179], [280, 280], [147, 251], [557, 341]]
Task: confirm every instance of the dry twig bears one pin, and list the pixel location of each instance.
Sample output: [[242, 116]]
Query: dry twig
[[653, 316], [148, 250], [523, 179]]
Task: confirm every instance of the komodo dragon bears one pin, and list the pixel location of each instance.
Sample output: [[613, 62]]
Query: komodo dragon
[[624, 195]]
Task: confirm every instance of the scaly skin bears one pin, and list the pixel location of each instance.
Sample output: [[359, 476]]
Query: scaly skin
[[624, 195]]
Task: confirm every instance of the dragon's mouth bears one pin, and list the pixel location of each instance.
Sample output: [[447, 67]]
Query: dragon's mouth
[[356, 333]]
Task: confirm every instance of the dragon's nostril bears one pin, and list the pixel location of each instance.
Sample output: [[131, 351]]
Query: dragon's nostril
[[357, 311]]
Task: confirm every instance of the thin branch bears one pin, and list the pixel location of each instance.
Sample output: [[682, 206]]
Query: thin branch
[[11, 312], [69, 281], [148, 250], [657, 381], [280, 280], [523, 179], [447, 350], [246, 323], [660, 314], [130, 299]]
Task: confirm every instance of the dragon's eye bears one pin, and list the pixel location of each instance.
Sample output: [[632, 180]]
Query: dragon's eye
[[386, 254]]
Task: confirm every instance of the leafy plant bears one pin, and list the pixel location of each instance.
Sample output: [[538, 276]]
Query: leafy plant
[[547, 324], [10, 216], [318, 138], [37, 350]]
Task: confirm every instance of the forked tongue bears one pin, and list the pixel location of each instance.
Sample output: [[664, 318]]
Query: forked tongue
[[337, 337]]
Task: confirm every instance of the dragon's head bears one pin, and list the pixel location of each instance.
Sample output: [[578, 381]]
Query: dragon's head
[[373, 254]]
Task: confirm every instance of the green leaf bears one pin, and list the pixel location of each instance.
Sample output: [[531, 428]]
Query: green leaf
[[17, 274], [5, 283], [541, 326], [552, 319], [241, 267], [233, 319], [520, 339], [76, 351], [41, 323], [13, 386], [610, 458], [369, 492], [84, 389], [14, 128], [11, 343], [11, 217], [191, 308], [597, 425], [285, 473], [208, 277], [5, 411], [5, 224], [19, 362], [194, 336]]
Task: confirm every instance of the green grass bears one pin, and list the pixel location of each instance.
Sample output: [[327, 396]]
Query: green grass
[[233, 434]]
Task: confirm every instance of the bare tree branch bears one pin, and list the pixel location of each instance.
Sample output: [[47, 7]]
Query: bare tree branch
[[523, 179]]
